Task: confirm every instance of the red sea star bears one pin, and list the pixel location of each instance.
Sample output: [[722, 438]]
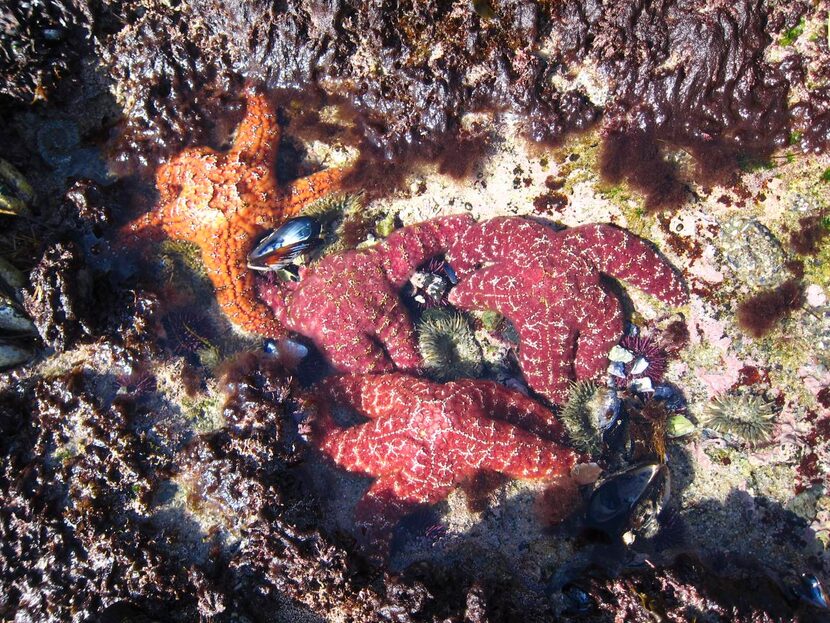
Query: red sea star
[[223, 202], [349, 303], [548, 284], [424, 438]]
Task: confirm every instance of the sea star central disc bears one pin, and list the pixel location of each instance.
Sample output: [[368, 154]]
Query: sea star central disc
[[424, 438]]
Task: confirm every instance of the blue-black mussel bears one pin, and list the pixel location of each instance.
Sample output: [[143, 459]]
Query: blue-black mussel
[[285, 244], [627, 504]]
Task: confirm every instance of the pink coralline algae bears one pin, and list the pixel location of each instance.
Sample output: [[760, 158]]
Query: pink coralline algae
[[548, 284], [424, 438], [349, 303]]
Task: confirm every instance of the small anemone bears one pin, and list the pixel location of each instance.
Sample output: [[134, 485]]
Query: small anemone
[[746, 416], [586, 414], [345, 222], [448, 346]]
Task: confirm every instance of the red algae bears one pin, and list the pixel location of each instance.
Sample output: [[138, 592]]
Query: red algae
[[719, 100], [759, 314], [811, 232]]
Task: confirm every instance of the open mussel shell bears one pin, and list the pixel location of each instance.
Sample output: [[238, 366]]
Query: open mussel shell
[[285, 244], [626, 504]]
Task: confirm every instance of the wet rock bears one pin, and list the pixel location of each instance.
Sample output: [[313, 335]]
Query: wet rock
[[753, 253], [677, 76], [59, 145], [682, 590], [73, 490], [59, 296], [380, 63], [40, 41]]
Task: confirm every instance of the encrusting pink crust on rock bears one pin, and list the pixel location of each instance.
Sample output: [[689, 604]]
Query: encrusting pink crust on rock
[[548, 284], [424, 438]]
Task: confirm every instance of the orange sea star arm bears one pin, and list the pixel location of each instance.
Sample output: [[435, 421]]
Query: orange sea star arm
[[257, 138], [236, 289], [308, 189]]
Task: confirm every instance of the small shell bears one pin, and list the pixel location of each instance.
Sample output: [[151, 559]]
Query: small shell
[[642, 384], [811, 591], [679, 426], [11, 275], [616, 368], [12, 320], [287, 351], [639, 366], [620, 354]]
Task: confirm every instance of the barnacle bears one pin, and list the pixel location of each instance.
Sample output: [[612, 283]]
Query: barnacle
[[746, 416], [448, 346]]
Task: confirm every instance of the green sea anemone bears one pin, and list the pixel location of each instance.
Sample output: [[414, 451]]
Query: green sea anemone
[[587, 408], [448, 346], [746, 416], [344, 220]]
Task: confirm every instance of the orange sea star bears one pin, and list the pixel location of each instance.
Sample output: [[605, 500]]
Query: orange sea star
[[224, 201]]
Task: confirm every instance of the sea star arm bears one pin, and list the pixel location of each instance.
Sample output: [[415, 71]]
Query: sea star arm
[[600, 327], [389, 499], [496, 287], [371, 395], [545, 351], [627, 257], [396, 334], [299, 193], [519, 454], [236, 290], [406, 249], [500, 403], [357, 350], [546, 340], [375, 335], [258, 135], [516, 240]]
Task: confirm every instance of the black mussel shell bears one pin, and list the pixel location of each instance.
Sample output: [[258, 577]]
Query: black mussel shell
[[578, 600], [285, 244], [811, 591], [630, 501]]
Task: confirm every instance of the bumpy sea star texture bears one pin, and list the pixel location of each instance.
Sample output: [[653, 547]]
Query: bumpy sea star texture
[[349, 303], [424, 438], [548, 283], [223, 202]]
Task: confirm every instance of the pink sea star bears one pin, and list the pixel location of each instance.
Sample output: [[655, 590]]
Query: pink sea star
[[548, 284], [424, 438], [349, 303]]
